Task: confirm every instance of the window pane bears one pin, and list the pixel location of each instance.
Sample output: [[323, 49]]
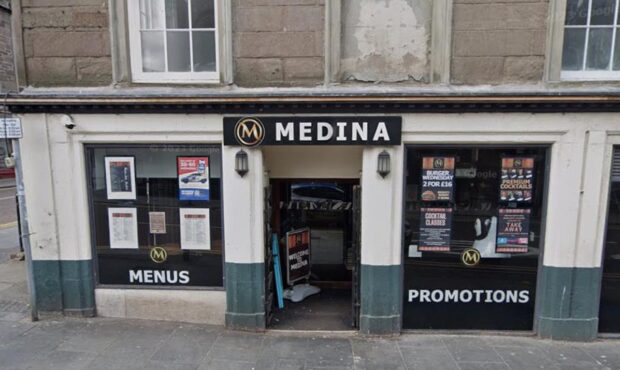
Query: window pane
[[177, 14], [572, 56], [599, 48], [617, 52], [153, 51], [576, 12], [151, 14], [603, 12], [204, 51], [203, 14], [178, 51]]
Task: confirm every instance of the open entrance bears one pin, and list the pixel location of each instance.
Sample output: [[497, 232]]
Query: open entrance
[[316, 222]]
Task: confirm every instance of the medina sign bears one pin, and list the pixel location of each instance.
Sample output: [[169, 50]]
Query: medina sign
[[299, 130]]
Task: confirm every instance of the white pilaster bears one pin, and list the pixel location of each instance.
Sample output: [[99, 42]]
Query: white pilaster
[[243, 198], [382, 208]]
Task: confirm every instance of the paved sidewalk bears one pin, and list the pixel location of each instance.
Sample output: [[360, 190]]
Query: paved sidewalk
[[7, 183], [63, 343]]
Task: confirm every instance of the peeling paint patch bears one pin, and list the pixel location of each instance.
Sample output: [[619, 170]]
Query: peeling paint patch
[[386, 40]]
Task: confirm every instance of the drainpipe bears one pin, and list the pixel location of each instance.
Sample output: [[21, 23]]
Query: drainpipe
[[24, 233]]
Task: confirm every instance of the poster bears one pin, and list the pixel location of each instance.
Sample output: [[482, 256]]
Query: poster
[[120, 177], [157, 222], [193, 175], [195, 228], [297, 255], [513, 230], [517, 179], [437, 178], [123, 228], [435, 228]]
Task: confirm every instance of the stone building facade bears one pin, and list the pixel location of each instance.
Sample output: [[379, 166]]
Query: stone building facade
[[253, 116]]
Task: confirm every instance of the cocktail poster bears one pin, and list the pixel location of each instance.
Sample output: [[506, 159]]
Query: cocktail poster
[[437, 178], [435, 229], [517, 179]]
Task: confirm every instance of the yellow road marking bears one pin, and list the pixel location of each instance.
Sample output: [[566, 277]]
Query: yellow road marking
[[8, 224]]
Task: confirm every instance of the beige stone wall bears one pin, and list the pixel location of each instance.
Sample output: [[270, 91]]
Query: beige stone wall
[[278, 42], [66, 42], [7, 66], [498, 41]]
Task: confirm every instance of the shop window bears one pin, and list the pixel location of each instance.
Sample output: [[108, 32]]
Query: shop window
[[609, 322], [173, 40], [156, 214], [472, 240], [590, 50]]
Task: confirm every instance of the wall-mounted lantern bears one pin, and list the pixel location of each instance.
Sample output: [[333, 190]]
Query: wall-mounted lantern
[[241, 163], [383, 164]]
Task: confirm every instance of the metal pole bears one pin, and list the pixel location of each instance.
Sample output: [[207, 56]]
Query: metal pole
[[24, 231]]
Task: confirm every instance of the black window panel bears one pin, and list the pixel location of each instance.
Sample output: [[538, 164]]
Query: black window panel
[[474, 198], [609, 322], [157, 190]]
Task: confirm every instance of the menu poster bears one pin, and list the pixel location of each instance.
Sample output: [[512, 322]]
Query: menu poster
[[513, 230], [193, 175], [123, 228], [437, 178], [157, 222], [435, 228], [195, 229], [120, 177], [517, 179], [297, 255]]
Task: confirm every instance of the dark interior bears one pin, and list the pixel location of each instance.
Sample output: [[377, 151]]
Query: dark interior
[[324, 206]]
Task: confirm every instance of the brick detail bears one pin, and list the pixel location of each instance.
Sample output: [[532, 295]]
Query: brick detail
[[498, 41], [66, 42], [278, 42]]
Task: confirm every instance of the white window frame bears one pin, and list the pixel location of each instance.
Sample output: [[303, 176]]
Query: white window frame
[[586, 75], [135, 51]]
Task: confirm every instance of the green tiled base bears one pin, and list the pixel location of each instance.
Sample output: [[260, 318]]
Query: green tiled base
[[381, 288], [568, 303], [245, 296], [64, 286]]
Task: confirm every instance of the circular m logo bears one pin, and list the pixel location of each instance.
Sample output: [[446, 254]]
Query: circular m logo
[[470, 257], [158, 254], [249, 131]]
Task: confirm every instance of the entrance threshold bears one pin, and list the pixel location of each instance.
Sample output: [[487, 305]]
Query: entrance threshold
[[505, 333]]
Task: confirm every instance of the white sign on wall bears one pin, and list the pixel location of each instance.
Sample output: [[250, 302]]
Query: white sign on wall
[[10, 128]]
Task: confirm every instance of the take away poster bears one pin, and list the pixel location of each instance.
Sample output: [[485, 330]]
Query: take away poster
[[193, 175]]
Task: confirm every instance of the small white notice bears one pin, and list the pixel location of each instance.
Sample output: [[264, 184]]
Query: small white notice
[[195, 229], [10, 128], [123, 227]]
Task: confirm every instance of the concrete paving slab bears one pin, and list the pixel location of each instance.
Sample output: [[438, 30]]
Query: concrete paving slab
[[525, 358], [65, 360], [377, 353], [244, 347], [315, 351], [186, 345], [428, 358], [471, 349], [481, 366]]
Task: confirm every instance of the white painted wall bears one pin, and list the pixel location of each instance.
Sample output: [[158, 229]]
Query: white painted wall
[[243, 202], [382, 208], [332, 162]]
